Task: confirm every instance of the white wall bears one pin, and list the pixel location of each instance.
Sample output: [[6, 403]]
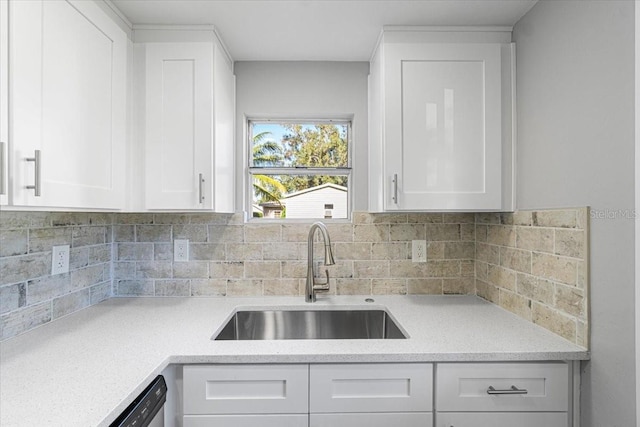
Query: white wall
[[637, 117], [305, 90], [575, 86]]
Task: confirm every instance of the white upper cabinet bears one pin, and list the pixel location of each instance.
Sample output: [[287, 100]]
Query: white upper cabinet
[[4, 102], [440, 120], [188, 109], [67, 80]]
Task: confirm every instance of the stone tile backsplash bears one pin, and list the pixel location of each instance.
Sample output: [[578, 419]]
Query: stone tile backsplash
[[531, 263]]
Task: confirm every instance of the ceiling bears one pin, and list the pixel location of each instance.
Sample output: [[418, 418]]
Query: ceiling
[[316, 30]]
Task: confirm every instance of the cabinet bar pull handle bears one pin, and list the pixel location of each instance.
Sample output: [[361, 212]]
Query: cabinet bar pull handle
[[512, 390], [36, 160], [395, 188], [200, 192], [3, 169]]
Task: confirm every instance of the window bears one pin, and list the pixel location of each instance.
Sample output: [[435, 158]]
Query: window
[[299, 169]]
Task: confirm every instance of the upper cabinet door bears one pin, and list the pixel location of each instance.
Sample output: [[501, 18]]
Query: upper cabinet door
[[68, 104], [179, 126], [4, 102], [443, 129], [440, 123]]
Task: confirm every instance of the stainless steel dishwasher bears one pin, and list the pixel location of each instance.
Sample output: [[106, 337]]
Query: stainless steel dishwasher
[[146, 410]]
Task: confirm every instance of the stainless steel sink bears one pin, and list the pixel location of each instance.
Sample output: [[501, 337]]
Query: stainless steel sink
[[309, 325]]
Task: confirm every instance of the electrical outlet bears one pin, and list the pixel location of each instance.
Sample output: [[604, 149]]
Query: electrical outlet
[[60, 260], [419, 251], [181, 250]]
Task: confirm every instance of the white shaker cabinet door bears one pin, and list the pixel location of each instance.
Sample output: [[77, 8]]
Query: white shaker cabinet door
[[4, 102], [443, 134], [68, 105], [179, 125]]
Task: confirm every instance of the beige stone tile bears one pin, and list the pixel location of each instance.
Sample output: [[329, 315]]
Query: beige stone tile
[[208, 287], [443, 268], [482, 270], [524, 218], [21, 268], [468, 232], [191, 270], [163, 251], [516, 259], [43, 239], [481, 233], [570, 300], [503, 235], [443, 232], [554, 321], [488, 253], [86, 236], [353, 286], [124, 270], [424, 286], [246, 287], [124, 233], [95, 254], [12, 220], [134, 288], [24, 319], [70, 303], [516, 304], [207, 252], [459, 218], [293, 269], [388, 287], [407, 232], [154, 270], [282, 251], [133, 218], [295, 232], [100, 292], [583, 275], [342, 269], [459, 250], [153, 233], [425, 218], [12, 297], [172, 288], [283, 287], [371, 269], [487, 218], [459, 286], [355, 251], [87, 276], [226, 270], [435, 250], [407, 269], [216, 218], [487, 291], [501, 277], [535, 239], [571, 243], [555, 268], [506, 218], [244, 251], [388, 218], [362, 218], [261, 233], [13, 242], [226, 233], [371, 233], [171, 218], [197, 233], [339, 232], [135, 251], [582, 218], [79, 257], [262, 269], [47, 288], [535, 288], [582, 334], [565, 218], [67, 219], [468, 268]]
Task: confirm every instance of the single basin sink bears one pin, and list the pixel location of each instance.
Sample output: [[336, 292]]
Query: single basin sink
[[309, 325]]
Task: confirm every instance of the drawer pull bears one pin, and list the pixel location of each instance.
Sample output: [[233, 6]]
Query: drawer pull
[[512, 390]]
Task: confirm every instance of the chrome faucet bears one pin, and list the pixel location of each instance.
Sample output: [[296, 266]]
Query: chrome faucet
[[313, 286]]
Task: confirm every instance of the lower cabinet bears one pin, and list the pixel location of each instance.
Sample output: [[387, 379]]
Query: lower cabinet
[[379, 395]]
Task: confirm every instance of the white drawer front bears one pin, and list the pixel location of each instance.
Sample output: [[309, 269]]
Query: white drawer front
[[409, 419], [380, 387], [467, 387], [497, 419], [245, 421], [246, 389]]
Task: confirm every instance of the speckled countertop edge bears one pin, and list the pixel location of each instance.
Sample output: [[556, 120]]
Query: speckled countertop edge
[[92, 363]]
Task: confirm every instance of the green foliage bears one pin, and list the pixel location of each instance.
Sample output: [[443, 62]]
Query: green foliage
[[267, 153]]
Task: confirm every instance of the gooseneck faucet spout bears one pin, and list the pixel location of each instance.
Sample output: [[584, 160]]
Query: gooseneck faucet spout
[[314, 286]]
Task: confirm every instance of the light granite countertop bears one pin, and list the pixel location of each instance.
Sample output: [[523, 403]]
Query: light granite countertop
[[84, 369]]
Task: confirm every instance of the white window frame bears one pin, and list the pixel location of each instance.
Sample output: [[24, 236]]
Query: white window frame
[[339, 171]]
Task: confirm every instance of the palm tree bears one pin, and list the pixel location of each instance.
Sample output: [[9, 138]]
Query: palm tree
[[267, 153]]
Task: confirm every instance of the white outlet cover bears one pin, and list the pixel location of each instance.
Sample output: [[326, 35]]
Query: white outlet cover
[[419, 251], [181, 250], [60, 259]]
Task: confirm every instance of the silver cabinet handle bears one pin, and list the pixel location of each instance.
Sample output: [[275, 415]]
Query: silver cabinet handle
[[3, 169], [395, 188], [36, 160], [512, 390], [200, 190]]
